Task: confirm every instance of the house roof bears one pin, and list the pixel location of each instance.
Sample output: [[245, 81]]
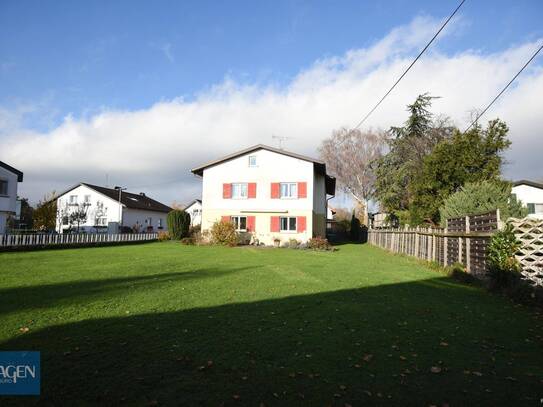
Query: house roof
[[319, 165], [13, 170], [529, 183], [193, 202], [128, 199]]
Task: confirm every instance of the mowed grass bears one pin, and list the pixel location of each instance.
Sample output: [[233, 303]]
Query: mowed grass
[[166, 324]]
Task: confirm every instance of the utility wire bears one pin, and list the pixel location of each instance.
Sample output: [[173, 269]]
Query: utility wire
[[409, 67], [504, 89]]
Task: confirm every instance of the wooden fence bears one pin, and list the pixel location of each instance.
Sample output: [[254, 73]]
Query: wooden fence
[[80, 239], [529, 232], [464, 241]]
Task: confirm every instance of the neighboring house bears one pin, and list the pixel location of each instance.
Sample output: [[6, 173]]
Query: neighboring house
[[194, 209], [379, 220], [531, 195], [9, 177], [103, 213], [270, 195]]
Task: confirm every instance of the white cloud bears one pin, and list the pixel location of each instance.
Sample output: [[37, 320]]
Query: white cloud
[[149, 147]]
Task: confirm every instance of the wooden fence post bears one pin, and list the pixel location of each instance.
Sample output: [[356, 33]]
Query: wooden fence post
[[445, 244], [417, 237], [468, 247]]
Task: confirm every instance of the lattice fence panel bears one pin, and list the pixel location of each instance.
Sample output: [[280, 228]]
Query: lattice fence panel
[[530, 255]]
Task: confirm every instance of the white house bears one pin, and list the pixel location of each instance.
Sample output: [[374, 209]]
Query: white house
[[9, 177], [194, 209], [271, 195], [531, 195], [108, 208]]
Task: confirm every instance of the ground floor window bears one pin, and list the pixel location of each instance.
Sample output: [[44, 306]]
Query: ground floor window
[[240, 222], [288, 224]]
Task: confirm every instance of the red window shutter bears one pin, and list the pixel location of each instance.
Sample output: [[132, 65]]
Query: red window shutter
[[250, 223], [225, 218], [275, 187], [274, 224], [300, 224], [227, 191], [251, 190], [302, 189]]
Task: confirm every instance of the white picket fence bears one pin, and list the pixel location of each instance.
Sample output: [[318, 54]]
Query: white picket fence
[[73, 239]]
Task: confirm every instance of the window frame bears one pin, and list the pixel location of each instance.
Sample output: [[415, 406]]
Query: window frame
[[74, 200], [292, 189], [6, 183], [236, 220], [244, 186], [255, 164], [290, 221]]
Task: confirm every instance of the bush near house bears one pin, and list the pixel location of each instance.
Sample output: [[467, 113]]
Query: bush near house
[[178, 224], [319, 243], [224, 233]]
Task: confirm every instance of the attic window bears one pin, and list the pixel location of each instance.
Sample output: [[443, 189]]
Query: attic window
[[252, 161]]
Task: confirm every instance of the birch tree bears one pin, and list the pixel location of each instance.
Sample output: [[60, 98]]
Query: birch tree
[[349, 155]]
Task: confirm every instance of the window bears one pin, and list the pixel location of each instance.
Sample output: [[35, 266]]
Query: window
[[101, 222], [289, 190], [240, 222], [531, 208], [73, 199], [159, 222], [64, 220], [239, 191], [252, 161], [538, 208], [3, 187], [87, 199], [288, 224]]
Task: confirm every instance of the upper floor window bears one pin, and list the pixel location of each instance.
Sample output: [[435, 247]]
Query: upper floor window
[[87, 199], [73, 199], [289, 190], [3, 187], [252, 161], [535, 208], [239, 190]]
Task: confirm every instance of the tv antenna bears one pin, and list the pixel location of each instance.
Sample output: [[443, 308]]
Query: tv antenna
[[281, 139]]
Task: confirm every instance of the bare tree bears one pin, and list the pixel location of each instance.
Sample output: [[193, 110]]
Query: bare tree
[[349, 155]]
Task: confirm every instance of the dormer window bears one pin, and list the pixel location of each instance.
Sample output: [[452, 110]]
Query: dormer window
[[252, 161]]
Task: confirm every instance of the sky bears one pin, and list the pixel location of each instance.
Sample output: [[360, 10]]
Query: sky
[[137, 93]]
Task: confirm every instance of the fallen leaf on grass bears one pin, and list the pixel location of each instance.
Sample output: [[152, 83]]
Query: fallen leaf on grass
[[24, 329], [435, 369]]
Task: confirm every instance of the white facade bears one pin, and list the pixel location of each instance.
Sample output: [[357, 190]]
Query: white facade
[[8, 195], [103, 211], [531, 196], [194, 209], [273, 197]]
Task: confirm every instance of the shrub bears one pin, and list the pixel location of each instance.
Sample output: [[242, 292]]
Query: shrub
[[480, 197], [224, 233], [163, 236], [503, 267], [319, 243], [189, 241], [195, 230], [178, 224], [293, 243], [458, 272]]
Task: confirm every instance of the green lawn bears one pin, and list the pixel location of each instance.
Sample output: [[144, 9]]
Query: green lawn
[[166, 324]]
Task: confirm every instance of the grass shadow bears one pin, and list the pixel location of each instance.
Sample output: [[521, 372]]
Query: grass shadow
[[400, 344]]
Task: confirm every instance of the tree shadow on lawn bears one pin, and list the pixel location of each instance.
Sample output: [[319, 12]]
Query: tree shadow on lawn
[[72, 292], [374, 345]]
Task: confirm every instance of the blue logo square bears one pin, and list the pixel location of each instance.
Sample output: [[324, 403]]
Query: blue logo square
[[20, 373]]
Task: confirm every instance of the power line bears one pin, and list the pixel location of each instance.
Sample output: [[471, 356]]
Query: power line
[[504, 89], [409, 67]]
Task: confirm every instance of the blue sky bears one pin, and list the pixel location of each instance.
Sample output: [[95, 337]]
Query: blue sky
[[76, 58], [144, 91]]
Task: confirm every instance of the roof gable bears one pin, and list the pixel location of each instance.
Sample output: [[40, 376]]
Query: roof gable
[[319, 165], [12, 170], [529, 183]]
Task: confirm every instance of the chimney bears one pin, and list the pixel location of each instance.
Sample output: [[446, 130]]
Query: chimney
[[142, 193]]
